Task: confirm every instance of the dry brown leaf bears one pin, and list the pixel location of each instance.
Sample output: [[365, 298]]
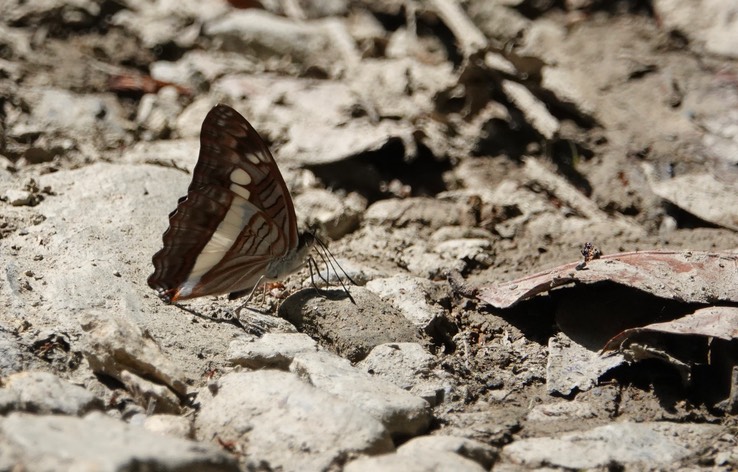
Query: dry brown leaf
[[688, 276], [715, 321]]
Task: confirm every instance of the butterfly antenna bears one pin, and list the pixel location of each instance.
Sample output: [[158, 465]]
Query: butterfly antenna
[[331, 261], [331, 257]]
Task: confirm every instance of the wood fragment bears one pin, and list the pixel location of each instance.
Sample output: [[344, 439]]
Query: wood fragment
[[534, 109], [471, 40]]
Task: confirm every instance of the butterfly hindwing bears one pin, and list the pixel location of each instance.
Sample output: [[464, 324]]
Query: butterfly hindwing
[[237, 215]]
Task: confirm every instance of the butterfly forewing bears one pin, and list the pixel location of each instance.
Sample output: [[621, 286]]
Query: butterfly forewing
[[237, 216]]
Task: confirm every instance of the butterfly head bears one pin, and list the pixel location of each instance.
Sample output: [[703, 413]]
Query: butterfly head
[[306, 242]]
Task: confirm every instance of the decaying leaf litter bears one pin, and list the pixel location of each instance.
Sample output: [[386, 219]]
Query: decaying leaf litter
[[449, 149]]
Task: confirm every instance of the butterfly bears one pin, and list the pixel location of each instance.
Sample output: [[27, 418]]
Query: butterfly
[[236, 227]]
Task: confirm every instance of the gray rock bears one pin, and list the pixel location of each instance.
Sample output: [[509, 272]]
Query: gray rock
[[108, 199], [450, 233], [116, 347], [176, 153], [623, 443], [428, 461], [572, 367], [67, 13], [257, 323], [712, 24], [709, 197], [494, 21], [281, 422], [323, 104], [158, 113], [477, 252], [266, 36], [413, 297], [428, 212], [399, 411], [12, 359], [8, 400], [385, 84], [198, 69], [273, 350], [335, 216], [421, 261], [352, 329], [118, 217], [533, 108], [477, 451], [152, 396], [45, 393], [487, 424], [98, 442], [189, 122], [324, 8], [400, 363], [60, 109], [563, 410], [326, 131], [169, 425], [410, 367], [17, 197], [154, 24]]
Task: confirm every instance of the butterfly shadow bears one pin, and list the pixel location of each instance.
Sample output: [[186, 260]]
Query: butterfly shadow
[[222, 316], [251, 319], [295, 303], [333, 294], [256, 324]]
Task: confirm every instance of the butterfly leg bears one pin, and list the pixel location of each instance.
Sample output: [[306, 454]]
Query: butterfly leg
[[251, 295], [263, 293], [313, 267]]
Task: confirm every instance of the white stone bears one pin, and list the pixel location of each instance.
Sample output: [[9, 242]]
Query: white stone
[[400, 363], [412, 296], [481, 453], [398, 410], [117, 221], [18, 197], [428, 461], [273, 350], [169, 425], [266, 35], [335, 216], [100, 443], [280, 422], [45, 393], [650, 444]]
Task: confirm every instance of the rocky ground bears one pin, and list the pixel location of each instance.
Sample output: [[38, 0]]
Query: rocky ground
[[443, 149]]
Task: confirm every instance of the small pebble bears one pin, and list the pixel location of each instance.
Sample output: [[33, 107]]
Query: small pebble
[[18, 197]]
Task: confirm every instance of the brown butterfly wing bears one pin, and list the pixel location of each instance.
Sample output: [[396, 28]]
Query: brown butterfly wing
[[237, 216]]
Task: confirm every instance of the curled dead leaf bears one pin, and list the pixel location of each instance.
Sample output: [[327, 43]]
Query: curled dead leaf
[[688, 276]]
